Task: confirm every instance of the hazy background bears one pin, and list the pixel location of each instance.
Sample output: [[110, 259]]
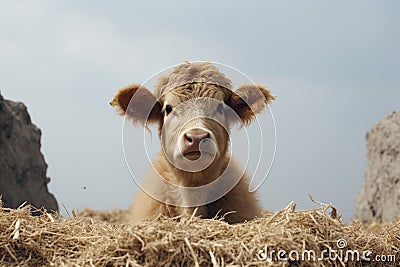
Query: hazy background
[[333, 65]]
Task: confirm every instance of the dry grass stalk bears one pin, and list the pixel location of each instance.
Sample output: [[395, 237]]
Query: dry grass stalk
[[93, 238]]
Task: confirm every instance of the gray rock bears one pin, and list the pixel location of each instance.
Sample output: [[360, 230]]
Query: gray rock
[[22, 165], [379, 198]]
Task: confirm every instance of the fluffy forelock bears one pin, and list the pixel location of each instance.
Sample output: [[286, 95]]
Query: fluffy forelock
[[187, 72]]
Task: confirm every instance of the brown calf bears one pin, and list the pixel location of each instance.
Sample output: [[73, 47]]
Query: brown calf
[[194, 107]]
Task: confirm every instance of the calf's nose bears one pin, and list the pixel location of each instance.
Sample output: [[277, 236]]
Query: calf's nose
[[193, 137]]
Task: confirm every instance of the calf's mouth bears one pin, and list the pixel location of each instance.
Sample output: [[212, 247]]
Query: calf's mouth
[[195, 155]]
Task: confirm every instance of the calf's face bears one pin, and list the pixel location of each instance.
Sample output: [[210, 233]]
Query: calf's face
[[194, 119], [195, 127]]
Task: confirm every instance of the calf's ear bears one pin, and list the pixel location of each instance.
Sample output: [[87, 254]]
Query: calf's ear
[[248, 100], [138, 104]]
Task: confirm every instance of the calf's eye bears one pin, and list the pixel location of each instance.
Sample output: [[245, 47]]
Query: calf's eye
[[168, 109], [220, 108]]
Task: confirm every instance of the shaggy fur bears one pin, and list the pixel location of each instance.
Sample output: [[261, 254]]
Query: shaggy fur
[[187, 83]]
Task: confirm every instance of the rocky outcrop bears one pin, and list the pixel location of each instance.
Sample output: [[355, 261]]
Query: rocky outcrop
[[22, 165], [379, 198]]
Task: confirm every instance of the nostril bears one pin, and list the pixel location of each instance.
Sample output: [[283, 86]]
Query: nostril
[[188, 138]]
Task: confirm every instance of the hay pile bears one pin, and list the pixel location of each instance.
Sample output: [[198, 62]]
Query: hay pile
[[187, 241]]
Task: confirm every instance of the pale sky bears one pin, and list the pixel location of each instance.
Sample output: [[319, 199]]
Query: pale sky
[[333, 65]]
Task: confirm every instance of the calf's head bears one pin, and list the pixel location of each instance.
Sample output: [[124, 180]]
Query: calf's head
[[194, 118]]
